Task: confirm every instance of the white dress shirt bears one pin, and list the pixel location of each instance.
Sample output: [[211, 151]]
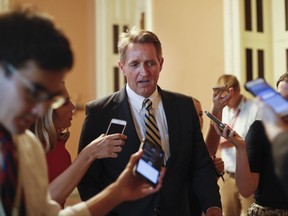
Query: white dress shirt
[[138, 114], [239, 120]]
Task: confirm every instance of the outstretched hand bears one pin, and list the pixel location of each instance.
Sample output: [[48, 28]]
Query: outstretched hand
[[133, 187], [230, 135], [106, 146], [127, 187]]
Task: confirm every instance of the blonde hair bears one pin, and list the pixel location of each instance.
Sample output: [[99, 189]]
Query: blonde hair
[[136, 35], [46, 132], [228, 80]]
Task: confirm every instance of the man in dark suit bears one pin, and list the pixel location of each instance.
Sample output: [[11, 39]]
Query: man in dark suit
[[187, 159]]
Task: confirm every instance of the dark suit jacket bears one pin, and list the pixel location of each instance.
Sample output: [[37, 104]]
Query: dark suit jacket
[[188, 165]]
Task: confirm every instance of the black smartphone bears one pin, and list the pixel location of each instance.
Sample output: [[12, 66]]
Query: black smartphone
[[259, 87], [150, 163], [215, 120], [116, 126], [220, 124]]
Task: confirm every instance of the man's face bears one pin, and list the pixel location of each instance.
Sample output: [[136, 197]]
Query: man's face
[[142, 68], [18, 110]]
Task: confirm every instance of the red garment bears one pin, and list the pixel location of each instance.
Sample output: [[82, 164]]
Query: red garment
[[58, 160]]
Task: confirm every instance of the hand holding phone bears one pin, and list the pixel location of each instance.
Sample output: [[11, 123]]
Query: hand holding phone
[[223, 89], [150, 163], [259, 87], [215, 120], [220, 125], [116, 126]]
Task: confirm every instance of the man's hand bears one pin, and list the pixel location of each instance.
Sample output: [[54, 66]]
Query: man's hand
[[220, 101]]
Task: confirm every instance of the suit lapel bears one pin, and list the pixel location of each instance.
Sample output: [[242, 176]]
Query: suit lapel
[[171, 113], [122, 111]]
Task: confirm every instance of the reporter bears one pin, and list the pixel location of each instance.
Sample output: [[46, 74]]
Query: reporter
[[255, 172], [53, 131], [127, 187], [34, 59], [277, 132]]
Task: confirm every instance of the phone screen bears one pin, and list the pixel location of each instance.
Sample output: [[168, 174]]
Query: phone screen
[[116, 126], [270, 96], [149, 165]]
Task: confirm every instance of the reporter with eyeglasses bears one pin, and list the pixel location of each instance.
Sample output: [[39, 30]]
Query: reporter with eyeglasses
[[35, 56]]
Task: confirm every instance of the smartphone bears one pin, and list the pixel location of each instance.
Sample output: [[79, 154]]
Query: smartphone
[[116, 126], [218, 88], [222, 88], [221, 125], [259, 87], [215, 120], [150, 163]]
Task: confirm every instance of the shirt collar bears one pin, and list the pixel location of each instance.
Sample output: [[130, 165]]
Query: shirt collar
[[240, 106], [242, 103], [137, 100]]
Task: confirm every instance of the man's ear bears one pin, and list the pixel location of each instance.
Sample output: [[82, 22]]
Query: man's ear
[[120, 64], [161, 63]]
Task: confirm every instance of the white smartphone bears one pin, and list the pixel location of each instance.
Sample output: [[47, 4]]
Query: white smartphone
[[149, 165], [116, 126], [259, 87]]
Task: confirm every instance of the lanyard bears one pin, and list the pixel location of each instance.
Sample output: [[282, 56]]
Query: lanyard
[[235, 119]]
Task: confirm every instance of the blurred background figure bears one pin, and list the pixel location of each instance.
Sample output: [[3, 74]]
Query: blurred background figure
[[239, 114], [255, 172], [277, 133]]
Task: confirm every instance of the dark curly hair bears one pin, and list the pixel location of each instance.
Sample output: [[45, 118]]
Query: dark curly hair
[[283, 77], [29, 35]]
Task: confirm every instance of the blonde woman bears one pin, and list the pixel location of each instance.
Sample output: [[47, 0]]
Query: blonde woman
[[53, 131]]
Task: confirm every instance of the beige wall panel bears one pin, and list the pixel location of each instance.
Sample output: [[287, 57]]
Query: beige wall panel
[[191, 32]]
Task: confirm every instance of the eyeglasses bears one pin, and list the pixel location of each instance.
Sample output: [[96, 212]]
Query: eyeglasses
[[36, 92]]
